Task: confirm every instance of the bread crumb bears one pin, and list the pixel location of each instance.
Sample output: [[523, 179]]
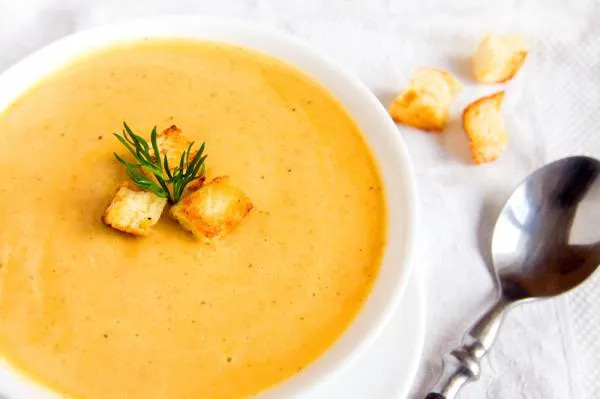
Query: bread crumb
[[484, 124], [213, 210], [133, 210], [499, 57], [426, 101], [172, 144]]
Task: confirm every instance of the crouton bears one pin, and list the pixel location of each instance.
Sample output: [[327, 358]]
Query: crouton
[[213, 210], [484, 125], [173, 144], [425, 102], [498, 58], [133, 210], [193, 185]]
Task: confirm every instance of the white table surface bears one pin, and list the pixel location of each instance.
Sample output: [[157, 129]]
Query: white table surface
[[381, 41]]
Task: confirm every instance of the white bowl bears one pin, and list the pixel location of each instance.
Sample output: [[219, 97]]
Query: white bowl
[[372, 118]]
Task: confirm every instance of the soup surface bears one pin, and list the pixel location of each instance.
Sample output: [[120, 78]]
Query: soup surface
[[94, 313]]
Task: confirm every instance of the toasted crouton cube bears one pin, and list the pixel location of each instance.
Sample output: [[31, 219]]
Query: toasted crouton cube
[[425, 102], [173, 144], [213, 210], [498, 58], [484, 125], [194, 185], [133, 210]]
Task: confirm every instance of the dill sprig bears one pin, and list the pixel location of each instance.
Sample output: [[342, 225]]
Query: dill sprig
[[153, 173]]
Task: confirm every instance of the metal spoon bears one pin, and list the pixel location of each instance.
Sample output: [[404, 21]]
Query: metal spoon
[[535, 254]]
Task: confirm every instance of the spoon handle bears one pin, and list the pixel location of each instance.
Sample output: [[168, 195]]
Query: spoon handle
[[463, 364]]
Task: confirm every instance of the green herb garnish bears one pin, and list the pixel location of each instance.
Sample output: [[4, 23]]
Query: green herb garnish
[[152, 173]]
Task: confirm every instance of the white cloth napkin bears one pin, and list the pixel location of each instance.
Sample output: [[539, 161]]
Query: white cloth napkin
[[570, 107], [547, 350]]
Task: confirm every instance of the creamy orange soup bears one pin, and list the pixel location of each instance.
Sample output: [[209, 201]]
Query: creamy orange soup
[[94, 313]]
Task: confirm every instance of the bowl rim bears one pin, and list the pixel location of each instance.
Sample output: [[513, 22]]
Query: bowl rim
[[42, 62]]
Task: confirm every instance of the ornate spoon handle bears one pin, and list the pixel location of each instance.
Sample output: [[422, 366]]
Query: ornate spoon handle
[[463, 364]]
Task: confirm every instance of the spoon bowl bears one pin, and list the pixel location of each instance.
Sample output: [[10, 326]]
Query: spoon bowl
[[534, 248], [545, 243]]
